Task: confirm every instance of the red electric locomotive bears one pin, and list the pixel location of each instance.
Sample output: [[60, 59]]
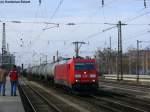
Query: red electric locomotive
[[77, 73]]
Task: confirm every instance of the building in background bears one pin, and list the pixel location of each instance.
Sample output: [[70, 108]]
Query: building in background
[[107, 61], [6, 58], [144, 61]]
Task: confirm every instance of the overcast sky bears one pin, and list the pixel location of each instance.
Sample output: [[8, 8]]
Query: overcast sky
[[29, 41]]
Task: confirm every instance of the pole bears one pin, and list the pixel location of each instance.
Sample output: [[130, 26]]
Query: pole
[[46, 59], [10, 60], [40, 2], [2, 57], [143, 53], [77, 49], [119, 62], [138, 60], [40, 60], [110, 69], [145, 4], [120, 30], [53, 59], [22, 67], [57, 56], [120, 68], [130, 62], [102, 3], [118, 56], [3, 43], [117, 67], [147, 52]]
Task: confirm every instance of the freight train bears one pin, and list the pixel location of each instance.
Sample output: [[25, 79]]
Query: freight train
[[79, 74]]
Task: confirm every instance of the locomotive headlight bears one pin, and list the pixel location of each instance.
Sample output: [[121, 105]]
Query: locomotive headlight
[[77, 81], [93, 80], [92, 75], [77, 75]]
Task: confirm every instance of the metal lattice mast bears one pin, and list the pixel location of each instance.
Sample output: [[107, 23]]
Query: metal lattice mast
[[3, 40], [120, 50], [3, 44]]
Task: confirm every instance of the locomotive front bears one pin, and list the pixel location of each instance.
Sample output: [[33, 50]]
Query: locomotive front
[[85, 74]]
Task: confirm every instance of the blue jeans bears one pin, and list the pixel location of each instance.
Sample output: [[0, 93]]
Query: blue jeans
[[2, 88], [13, 88]]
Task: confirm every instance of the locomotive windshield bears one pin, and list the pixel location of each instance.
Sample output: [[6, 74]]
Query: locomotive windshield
[[84, 66]]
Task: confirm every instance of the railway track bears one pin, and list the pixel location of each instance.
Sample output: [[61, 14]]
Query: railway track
[[124, 104], [134, 102], [107, 104], [115, 105], [129, 89], [115, 102], [35, 101], [126, 84], [108, 101], [131, 100], [43, 100]]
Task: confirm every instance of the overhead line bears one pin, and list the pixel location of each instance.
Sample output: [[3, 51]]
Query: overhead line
[[57, 8], [98, 33], [55, 11], [132, 36], [94, 34], [136, 17], [143, 34], [56, 23]]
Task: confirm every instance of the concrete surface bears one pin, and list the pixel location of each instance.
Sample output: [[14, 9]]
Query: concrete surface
[[10, 103]]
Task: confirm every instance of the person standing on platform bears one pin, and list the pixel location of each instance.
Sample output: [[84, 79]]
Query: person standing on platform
[[13, 80], [3, 75]]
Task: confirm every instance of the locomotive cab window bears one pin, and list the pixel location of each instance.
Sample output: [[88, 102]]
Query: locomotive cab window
[[84, 66]]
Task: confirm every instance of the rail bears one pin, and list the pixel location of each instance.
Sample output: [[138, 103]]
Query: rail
[[32, 106], [26, 101]]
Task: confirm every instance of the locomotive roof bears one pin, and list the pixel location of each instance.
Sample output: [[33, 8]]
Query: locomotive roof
[[82, 60]]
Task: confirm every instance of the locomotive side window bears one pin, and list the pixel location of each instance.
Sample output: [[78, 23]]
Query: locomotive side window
[[84, 66]]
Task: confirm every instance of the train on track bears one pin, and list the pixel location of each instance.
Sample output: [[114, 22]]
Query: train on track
[[79, 74]]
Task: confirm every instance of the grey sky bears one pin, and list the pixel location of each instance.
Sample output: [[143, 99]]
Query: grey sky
[[29, 41]]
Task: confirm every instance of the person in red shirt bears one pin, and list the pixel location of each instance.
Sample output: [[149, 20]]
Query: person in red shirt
[[13, 74]]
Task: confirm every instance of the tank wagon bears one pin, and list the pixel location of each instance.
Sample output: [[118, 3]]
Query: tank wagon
[[76, 73]]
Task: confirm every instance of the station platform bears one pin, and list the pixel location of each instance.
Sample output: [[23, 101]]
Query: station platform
[[143, 79], [10, 103]]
